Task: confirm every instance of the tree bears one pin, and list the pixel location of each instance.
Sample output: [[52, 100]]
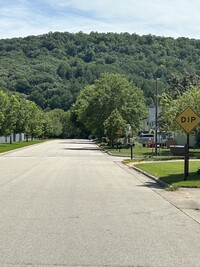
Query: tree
[[178, 85], [31, 122], [171, 108], [56, 124], [19, 115], [112, 124], [70, 130], [10, 116], [4, 100], [112, 91], [64, 70]]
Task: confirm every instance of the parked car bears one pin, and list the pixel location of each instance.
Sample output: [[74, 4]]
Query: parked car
[[147, 139], [144, 138]]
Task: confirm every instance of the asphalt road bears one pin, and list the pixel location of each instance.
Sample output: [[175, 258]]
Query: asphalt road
[[65, 203]]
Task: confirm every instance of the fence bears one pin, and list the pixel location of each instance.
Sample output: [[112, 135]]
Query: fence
[[15, 138]]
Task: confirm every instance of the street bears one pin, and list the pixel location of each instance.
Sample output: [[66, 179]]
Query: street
[[66, 203]]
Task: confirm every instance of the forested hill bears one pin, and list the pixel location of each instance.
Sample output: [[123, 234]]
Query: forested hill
[[51, 69]]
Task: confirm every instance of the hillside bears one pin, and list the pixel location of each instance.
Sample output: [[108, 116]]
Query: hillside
[[51, 69]]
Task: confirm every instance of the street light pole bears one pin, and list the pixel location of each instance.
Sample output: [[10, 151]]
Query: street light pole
[[156, 118]]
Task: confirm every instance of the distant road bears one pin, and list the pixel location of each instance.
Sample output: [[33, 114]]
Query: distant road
[[65, 203]]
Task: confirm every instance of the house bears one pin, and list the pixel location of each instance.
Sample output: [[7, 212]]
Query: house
[[173, 138]]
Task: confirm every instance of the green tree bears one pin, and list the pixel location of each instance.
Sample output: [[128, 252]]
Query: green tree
[[112, 91], [56, 122], [10, 116], [64, 70], [4, 101], [112, 124], [171, 108], [178, 85], [32, 120]]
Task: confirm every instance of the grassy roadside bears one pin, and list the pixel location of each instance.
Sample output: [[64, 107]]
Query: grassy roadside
[[139, 151], [164, 166], [5, 147], [173, 173], [148, 153]]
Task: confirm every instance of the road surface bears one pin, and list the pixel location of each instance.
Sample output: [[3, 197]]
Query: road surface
[[65, 203]]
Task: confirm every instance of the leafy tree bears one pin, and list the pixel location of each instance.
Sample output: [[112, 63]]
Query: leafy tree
[[31, 121], [70, 130], [55, 102], [112, 124], [178, 85], [19, 115], [112, 91], [171, 108], [56, 123], [64, 70], [10, 116], [4, 101], [38, 97]]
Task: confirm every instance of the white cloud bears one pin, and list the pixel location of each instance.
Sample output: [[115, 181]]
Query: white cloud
[[160, 17]]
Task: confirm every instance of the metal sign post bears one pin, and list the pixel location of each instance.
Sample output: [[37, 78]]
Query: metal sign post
[[186, 165], [188, 120]]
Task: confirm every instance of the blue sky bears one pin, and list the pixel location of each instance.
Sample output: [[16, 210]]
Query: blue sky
[[175, 18]]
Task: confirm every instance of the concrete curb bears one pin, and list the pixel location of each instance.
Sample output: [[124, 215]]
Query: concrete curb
[[114, 155], [160, 182]]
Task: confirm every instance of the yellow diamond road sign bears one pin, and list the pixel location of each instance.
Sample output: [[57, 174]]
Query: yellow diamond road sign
[[188, 119], [119, 131]]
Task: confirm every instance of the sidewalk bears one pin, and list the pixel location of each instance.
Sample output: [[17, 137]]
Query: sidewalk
[[185, 199]]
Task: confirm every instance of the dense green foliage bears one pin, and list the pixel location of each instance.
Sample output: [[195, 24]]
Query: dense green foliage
[[111, 97], [91, 83], [19, 115], [114, 124], [171, 108], [51, 69]]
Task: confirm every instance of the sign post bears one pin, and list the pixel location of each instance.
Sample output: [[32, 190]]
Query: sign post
[[188, 120], [186, 166], [131, 147]]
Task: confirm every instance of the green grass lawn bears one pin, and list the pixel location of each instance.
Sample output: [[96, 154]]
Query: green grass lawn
[[173, 172], [4, 147], [145, 152], [139, 151]]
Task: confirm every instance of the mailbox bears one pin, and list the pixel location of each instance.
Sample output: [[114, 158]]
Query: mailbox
[[177, 150]]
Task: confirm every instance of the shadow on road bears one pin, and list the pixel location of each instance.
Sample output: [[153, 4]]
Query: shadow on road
[[77, 142], [152, 185], [82, 148]]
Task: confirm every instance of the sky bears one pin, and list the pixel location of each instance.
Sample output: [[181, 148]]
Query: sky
[[169, 18]]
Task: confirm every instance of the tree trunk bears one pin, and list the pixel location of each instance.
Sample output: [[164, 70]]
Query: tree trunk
[[11, 139]]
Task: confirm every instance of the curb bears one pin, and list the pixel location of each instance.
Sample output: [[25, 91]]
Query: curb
[[160, 182], [114, 155]]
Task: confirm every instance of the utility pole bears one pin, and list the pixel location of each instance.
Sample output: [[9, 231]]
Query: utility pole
[[156, 118]]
